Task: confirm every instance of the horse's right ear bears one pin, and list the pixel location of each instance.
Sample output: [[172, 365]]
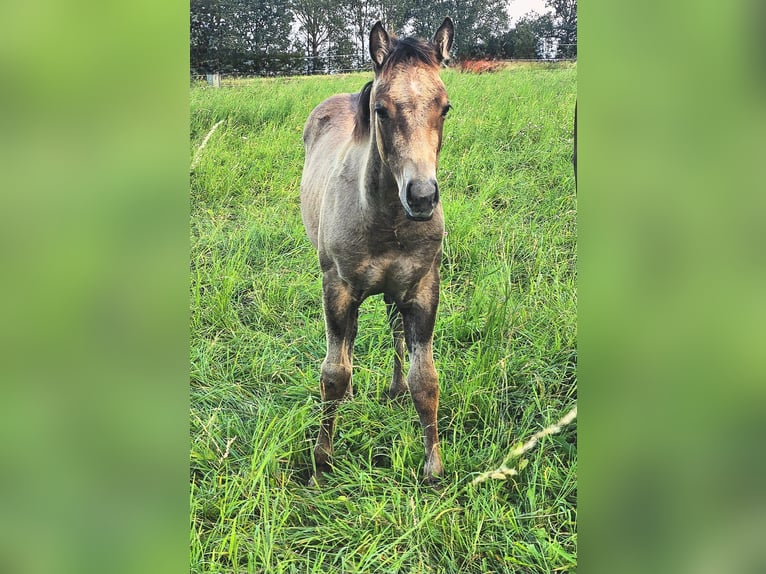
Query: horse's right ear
[[379, 45], [443, 39]]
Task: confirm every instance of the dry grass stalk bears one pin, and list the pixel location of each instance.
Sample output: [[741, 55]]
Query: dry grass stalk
[[503, 471]]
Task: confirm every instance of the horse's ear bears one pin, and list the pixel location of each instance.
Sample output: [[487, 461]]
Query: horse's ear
[[379, 45], [443, 39]]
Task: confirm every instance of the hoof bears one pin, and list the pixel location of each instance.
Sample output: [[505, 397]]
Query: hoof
[[434, 481], [317, 479], [433, 471]]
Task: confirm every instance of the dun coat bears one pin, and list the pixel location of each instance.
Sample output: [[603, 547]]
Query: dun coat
[[370, 205]]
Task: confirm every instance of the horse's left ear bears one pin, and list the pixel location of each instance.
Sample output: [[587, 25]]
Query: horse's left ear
[[379, 45], [443, 39]]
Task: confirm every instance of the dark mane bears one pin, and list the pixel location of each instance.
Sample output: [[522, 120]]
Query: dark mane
[[402, 51], [405, 50], [362, 115]]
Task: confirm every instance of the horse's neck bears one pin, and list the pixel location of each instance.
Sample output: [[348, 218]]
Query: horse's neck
[[378, 184]]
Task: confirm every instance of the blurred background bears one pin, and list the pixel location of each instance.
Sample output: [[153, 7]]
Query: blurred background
[[94, 154], [93, 296], [671, 283]]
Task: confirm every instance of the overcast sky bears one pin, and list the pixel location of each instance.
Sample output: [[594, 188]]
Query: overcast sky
[[517, 8]]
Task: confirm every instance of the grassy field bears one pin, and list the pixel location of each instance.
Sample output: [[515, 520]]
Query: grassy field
[[505, 345]]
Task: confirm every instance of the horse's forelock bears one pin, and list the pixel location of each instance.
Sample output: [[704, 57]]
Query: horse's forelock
[[410, 50], [402, 51]]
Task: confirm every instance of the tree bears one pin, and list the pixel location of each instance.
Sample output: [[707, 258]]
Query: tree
[[394, 14], [238, 35], [525, 40], [476, 22], [360, 20], [262, 28], [260, 36], [313, 17], [341, 53], [424, 18], [565, 26], [205, 35], [505, 44]]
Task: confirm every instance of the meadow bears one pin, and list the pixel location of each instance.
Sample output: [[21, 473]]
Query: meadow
[[504, 345]]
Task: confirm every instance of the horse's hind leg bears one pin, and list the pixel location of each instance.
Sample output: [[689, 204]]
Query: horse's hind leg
[[398, 385], [340, 310]]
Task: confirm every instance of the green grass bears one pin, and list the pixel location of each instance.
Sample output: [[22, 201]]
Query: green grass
[[505, 345]]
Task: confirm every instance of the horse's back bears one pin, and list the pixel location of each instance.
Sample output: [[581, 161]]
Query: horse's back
[[328, 130], [333, 118]]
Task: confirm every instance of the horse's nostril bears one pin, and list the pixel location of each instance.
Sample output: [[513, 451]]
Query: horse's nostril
[[422, 195]]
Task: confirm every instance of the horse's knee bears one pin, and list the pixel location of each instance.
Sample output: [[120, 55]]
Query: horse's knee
[[426, 401], [334, 380], [423, 382]]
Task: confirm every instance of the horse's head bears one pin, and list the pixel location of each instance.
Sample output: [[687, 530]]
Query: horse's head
[[408, 105]]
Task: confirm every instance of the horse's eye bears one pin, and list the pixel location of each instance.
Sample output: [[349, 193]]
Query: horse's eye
[[446, 110], [381, 110]]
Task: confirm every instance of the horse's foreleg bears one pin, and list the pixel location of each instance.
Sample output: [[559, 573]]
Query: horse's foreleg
[[419, 315], [398, 385], [340, 310], [349, 338]]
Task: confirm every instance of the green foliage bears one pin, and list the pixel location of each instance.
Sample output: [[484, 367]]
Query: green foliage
[[270, 37], [565, 26], [477, 22], [240, 35], [525, 40], [505, 345]]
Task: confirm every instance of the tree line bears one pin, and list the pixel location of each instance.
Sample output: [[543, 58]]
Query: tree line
[[274, 37]]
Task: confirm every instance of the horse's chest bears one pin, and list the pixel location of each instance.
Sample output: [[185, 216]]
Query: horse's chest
[[380, 259], [389, 272]]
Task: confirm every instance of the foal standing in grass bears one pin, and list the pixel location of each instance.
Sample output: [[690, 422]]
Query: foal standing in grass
[[370, 205]]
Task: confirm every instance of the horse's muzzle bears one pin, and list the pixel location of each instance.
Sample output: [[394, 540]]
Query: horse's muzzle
[[420, 199]]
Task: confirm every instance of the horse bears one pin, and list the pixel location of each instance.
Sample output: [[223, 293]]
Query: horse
[[370, 205]]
